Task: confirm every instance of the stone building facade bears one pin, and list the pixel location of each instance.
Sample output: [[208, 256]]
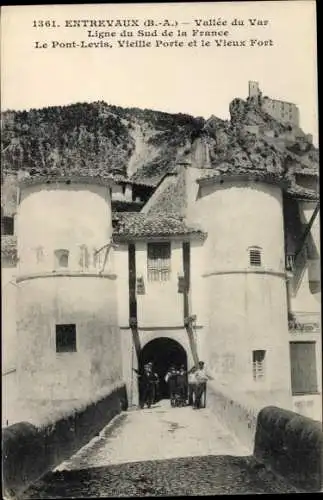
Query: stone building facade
[[226, 278], [99, 277], [283, 111]]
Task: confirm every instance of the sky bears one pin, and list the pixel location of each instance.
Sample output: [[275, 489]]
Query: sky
[[194, 80]]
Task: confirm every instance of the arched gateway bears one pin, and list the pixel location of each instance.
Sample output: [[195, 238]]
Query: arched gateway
[[163, 352]]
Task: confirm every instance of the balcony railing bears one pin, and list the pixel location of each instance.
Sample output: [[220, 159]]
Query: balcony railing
[[304, 323]]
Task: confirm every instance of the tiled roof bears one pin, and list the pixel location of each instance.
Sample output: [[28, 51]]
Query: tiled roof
[[290, 188], [142, 182], [171, 199], [48, 179], [143, 178], [9, 247], [300, 192], [242, 174], [130, 225], [129, 180], [299, 169]]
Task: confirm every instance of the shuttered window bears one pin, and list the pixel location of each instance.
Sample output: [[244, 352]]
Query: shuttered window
[[158, 262], [303, 367], [255, 257], [258, 364]]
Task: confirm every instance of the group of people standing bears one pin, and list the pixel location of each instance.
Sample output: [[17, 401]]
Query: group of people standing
[[185, 388]]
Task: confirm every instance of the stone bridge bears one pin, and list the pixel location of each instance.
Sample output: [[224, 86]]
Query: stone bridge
[[108, 450]]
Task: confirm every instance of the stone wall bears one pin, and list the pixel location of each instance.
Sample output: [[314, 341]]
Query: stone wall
[[292, 445], [235, 411], [289, 444], [29, 451]]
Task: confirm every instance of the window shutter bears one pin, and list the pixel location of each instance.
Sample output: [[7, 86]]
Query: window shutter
[[255, 257], [258, 364], [158, 261], [303, 367]]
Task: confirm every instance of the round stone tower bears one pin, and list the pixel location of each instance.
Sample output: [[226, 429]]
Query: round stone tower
[[67, 325], [246, 345]]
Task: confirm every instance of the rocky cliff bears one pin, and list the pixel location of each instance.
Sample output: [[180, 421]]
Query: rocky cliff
[[101, 139]]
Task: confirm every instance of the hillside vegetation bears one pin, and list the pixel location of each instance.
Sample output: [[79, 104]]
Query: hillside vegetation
[[101, 139], [91, 139]]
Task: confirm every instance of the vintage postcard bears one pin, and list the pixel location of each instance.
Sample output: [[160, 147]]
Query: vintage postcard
[[160, 250]]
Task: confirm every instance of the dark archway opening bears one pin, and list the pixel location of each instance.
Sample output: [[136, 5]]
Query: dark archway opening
[[163, 352]]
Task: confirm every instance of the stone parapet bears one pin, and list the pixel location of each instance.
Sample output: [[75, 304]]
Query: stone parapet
[[292, 446], [31, 451]]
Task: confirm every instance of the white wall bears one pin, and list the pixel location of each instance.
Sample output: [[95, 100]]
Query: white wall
[[61, 216], [306, 307], [240, 215], [8, 320], [66, 216], [90, 304], [246, 310], [117, 192], [9, 396], [121, 268], [161, 305], [9, 344]]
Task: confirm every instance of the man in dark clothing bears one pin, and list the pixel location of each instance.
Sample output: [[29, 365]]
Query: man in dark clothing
[[153, 381], [171, 380], [147, 381]]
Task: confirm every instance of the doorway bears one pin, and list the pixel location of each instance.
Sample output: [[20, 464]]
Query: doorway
[[163, 352]]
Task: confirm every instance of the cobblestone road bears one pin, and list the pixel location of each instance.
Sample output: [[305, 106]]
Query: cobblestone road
[[160, 451]]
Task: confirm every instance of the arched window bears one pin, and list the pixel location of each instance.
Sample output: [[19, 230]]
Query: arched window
[[61, 258], [255, 256]]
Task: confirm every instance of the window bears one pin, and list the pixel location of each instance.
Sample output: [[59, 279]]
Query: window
[[258, 364], [290, 259], [303, 367], [61, 258], [7, 226], [65, 338], [255, 256], [158, 264]]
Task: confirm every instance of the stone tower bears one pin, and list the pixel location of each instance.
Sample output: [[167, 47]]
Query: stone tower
[[67, 325], [253, 89], [246, 345]]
